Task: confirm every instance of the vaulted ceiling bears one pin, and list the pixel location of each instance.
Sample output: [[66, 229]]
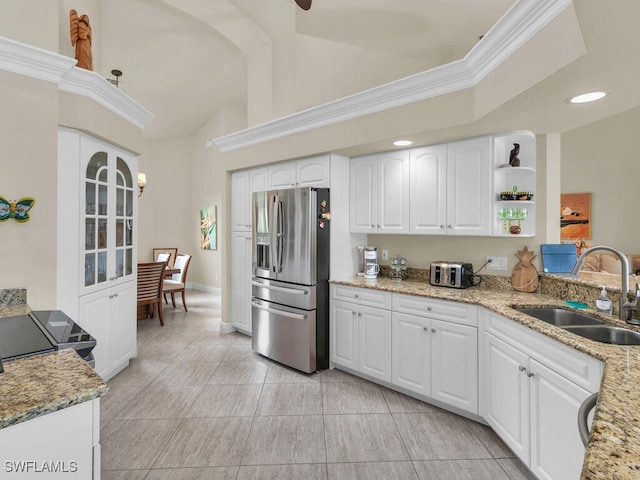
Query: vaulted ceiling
[[186, 59]]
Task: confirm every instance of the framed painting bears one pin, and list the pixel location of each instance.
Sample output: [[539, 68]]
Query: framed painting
[[575, 216], [208, 228]]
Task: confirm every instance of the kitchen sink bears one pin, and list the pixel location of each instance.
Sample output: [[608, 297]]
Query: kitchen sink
[[560, 317], [606, 334]]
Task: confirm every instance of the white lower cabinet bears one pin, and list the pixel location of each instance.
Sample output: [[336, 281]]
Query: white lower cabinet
[[241, 281], [532, 388], [61, 444], [436, 359], [361, 333], [109, 316]]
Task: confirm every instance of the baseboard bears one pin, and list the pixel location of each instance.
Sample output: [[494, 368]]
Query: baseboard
[[204, 288], [226, 327]]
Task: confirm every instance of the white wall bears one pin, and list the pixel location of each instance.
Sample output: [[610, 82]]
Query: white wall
[[602, 158]]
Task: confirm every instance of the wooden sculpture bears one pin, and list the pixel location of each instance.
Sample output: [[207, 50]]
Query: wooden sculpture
[[81, 39], [525, 275], [514, 161]]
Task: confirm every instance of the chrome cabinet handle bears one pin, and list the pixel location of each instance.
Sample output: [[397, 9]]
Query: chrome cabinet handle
[[429, 309], [433, 330], [530, 375], [426, 329], [522, 368]]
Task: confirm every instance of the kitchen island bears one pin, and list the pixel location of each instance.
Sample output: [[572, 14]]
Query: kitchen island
[[613, 451], [49, 413]]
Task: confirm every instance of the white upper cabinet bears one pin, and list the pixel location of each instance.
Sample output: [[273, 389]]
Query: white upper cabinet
[[306, 172], [363, 195], [313, 172], [258, 179], [469, 187], [448, 189], [379, 197], [427, 190], [282, 175]]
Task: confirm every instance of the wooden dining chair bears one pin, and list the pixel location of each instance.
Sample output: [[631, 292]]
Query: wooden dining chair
[[177, 281], [167, 255], [150, 279]]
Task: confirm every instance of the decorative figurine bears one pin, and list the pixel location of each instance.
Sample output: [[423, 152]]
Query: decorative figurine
[[81, 39], [514, 161], [525, 276]]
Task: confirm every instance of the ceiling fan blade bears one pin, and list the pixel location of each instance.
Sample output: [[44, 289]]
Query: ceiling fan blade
[[304, 4]]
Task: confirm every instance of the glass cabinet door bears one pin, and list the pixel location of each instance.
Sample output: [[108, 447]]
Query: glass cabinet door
[[96, 230], [124, 221], [108, 219]]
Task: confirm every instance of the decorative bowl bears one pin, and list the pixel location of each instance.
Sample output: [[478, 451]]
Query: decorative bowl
[[516, 195]]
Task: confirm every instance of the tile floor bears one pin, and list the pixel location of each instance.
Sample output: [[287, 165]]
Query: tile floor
[[199, 405]]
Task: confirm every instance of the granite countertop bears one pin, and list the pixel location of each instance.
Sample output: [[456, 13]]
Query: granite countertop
[[41, 384], [613, 452]]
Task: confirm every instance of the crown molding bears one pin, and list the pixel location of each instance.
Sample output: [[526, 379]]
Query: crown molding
[[514, 29], [91, 85], [34, 62]]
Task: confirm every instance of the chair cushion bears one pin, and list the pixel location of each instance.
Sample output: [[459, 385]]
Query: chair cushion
[[163, 257], [172, 285]]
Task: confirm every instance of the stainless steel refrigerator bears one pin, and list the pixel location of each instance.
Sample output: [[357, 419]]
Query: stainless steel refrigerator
[[290, 290]]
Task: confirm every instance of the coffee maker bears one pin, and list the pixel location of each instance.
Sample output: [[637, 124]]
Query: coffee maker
[[371, 267]]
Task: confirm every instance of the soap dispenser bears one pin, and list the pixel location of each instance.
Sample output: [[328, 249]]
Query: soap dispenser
[[603, 302]]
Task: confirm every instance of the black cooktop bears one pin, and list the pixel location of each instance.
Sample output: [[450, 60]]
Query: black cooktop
[[20, 336], [42, 331]]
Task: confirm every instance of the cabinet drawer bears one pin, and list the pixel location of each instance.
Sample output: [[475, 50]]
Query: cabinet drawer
[[462, 313], [576, 366], [361, 296]]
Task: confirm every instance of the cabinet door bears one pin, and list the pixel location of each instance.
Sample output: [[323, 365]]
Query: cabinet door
[[454, 365], [557, 452], [122, 328], [428, 183], [374, 342], [241, 281], [411, 352], [107, 216], [94, 310], [363, 198], [469, 187], [257, 181], [240, 202], [507, 395], [344, 334], [313, 172], [282, 175], [393, 194]]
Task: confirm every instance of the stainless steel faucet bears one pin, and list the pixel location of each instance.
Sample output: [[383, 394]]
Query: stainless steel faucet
[[625, 307]]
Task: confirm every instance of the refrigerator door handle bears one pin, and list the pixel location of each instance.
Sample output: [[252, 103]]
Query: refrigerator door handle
[[279, 312], [279, 233], [273, 201], [295, 291]]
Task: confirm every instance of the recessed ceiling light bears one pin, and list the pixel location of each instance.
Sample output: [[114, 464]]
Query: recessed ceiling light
[[402, 143], [588, 97]]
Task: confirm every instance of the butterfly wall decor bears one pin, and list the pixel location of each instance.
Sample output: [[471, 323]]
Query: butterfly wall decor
[[18, 210]]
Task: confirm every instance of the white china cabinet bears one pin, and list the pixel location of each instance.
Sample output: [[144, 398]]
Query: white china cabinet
[[97, 232]]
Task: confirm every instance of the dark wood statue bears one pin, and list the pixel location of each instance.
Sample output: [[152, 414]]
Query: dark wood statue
[[514, 161], [81, 39]]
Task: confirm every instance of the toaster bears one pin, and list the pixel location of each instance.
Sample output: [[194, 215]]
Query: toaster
[[451, 274]]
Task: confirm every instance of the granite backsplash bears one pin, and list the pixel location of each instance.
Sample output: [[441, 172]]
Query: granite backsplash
[[13, 296]]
